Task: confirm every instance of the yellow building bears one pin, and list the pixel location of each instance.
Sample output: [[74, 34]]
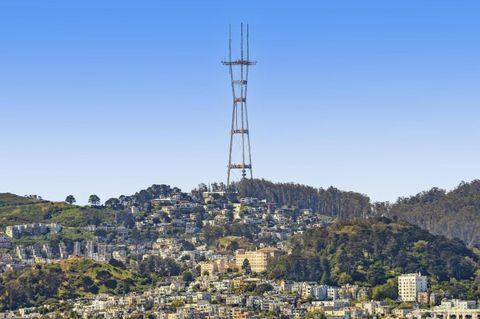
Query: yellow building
[[258, 259], [213, 267], [237, 313]]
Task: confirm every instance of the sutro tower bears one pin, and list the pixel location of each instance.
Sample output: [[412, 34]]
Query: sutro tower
[[239, 132]]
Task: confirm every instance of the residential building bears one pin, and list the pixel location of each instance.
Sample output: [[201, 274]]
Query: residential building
[[258, 259], [409, 285]]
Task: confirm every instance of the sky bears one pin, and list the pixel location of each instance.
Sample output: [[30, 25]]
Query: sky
[[109, 97]]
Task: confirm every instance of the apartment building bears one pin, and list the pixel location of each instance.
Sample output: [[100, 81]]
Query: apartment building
[[258, 259], [409, 285]]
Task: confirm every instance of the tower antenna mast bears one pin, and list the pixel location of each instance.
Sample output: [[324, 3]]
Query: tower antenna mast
[[239, 131]]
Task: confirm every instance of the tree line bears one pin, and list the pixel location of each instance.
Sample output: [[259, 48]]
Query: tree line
[[454, 214], [330, 201]]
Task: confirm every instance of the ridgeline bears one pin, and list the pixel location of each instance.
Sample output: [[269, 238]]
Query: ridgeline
[[454, 214]]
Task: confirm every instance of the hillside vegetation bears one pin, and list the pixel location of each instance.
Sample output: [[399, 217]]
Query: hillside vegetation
[[20, 210], [454, 214], [330, 201], [370, 252], [9, 199], [63, 280]]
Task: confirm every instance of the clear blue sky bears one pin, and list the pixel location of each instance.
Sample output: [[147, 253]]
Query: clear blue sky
[[109, 97]]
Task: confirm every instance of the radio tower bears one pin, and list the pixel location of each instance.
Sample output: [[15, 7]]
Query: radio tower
[[239, 130]]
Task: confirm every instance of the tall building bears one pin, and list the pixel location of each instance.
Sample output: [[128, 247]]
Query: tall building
[[409, 285]]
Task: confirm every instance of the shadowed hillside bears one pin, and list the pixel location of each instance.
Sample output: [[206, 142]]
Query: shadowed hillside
[[455, 214]]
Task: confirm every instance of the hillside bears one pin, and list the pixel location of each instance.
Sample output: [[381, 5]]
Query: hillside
[[9, 199], [455, 214], [330, 201], [16, 209], [63, 280], [370, 252]]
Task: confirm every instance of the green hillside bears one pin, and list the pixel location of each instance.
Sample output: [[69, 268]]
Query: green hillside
[[370, 252], [16, 209], [67, 279], [8, 199]]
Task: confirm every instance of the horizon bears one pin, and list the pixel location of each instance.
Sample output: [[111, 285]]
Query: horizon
[[109, 98], [84, 201]]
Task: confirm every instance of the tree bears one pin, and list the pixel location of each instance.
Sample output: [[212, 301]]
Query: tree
[[376, 274], [113, 203], [315, 314], [187, 276], [94, 200], [246, 266], [163, 267], [177, 303], [262, 288], [230, 216], [387, 290], [70, 199], [233, 245]]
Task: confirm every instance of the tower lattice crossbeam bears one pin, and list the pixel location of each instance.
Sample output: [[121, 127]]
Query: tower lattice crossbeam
[[239, 126]]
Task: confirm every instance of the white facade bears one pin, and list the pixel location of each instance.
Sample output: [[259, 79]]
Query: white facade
[[458, 304], [409, 285]]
